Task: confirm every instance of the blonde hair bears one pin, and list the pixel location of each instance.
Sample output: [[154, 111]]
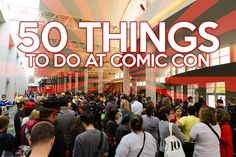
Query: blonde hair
[[125, 105], [34, 114]]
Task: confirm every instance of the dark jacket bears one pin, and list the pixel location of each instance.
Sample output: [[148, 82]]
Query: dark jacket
[[232, 112], [20, 114], [121, 131], [7, 142]]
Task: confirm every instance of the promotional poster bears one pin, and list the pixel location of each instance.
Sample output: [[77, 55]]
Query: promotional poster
[[118, 78]]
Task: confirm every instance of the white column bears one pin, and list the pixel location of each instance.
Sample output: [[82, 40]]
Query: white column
[[151, 79], [100, 80], [85, 80], [151, 83], [126, 81]]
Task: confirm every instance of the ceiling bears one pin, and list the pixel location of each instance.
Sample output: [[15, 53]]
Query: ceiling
[[71, 12], [222, 12]]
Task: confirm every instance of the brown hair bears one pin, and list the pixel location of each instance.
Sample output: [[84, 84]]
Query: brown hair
[[178, 107], [42, 132], [208, 115], [4, 121], [232, 100], [223, 116], [136, 123], [150, 109]]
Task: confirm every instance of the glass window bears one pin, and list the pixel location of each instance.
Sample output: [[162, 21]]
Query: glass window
[[144, 83], [225, 51], [215, 61], [221, 56], [215, 54], [210, 87], [225, 59], [215, 87], [192, 88], [220, 87]]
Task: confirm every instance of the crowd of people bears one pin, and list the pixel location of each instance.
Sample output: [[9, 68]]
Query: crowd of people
[[97, 125]]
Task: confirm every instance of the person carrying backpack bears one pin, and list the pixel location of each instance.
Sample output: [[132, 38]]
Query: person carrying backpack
[[96, 109], [49, 110], [92, 142]]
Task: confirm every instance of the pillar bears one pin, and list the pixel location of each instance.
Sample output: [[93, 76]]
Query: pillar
[[64, 82], [70, 82], [100, 80], [86, 80], [151, 83], [126, 81], [76, 81]]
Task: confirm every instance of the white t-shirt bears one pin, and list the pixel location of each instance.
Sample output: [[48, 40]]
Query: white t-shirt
[[131, 144], [207, 143]]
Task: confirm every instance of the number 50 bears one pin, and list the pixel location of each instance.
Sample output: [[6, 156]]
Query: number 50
[[30, 40]]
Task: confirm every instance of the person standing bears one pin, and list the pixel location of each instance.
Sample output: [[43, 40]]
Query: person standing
[[4, 103], [42, 139], [232, 111], [64, 121], [138, 142], [49, 110], [226, 143], [18, 118], [206, 134], [186, 123], [151, 123], [165, 116], [92, 142], [136, 106]]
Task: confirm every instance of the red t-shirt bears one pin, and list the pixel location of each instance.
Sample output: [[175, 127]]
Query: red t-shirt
[[226, 141]]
